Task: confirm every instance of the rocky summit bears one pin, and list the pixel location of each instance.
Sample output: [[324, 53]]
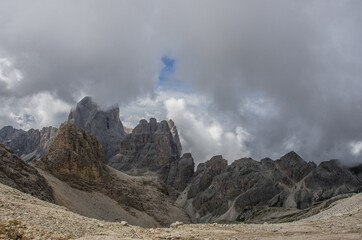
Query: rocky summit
[[18, 174], [150, 149], [29, 145], [76, 169], [92, 167], [219, 192], [76, 157], [105, 125]]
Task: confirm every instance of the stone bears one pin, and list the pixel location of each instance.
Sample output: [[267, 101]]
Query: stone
[[18, 174], [149, 150], [294, 166], [181, 172], [76, 157], [124, 223], [8, 133], [175, 135], [221, 192], [176, 224], [29, 145], [106, 126]]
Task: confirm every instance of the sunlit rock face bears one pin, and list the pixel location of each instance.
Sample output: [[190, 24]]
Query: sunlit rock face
[[76, 157], [105, 125]]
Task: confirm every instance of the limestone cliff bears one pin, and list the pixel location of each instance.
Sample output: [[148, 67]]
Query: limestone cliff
[[104, 125], [29, 145], [76, 158], [148, 150], [219, 192]]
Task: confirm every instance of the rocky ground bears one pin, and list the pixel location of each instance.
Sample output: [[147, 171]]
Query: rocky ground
[[25, 217]]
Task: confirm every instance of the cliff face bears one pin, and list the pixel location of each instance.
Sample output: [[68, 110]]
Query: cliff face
[[219, 192], [148, 150], [76, 157], [28, 145], [104, 125], [18, 174]]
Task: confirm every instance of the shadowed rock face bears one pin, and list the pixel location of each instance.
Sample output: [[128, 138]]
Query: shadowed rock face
[[29, 145], [357, 170], [76, 157], [105, 125], [219, 192], [294, 166], [18, 174], [175, 135], [8, 133], [149, 150], [181, 172]]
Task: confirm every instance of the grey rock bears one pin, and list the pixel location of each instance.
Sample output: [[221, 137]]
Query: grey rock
[[219, 192], [357, 171], [149, 150], [76, 157], [18, 174], [175, 135], [181, 172], [8, 133], [105, 125], [29, 145]]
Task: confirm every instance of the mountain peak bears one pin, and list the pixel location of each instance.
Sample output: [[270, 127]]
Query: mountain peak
[[291, 156], [105, 125]]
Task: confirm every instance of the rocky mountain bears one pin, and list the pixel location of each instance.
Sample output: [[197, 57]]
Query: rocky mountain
[[154, 149], [76, 169], [28, 145], [8, 133], [105, 125], [18, 174], [221, 192]]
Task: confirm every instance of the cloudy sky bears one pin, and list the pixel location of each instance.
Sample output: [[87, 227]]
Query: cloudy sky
[[239, 78]]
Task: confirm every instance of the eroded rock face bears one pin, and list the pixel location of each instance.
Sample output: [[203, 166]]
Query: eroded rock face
[[181, 172], [149, 150], [29, 145], [8, 133], [18, 174], [294, 166], [76, 157], [105, 125], [175, 136], [219, 192]]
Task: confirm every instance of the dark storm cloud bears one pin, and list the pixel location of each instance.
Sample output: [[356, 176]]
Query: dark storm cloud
[[100, 48], [299, 61], [287, 72]]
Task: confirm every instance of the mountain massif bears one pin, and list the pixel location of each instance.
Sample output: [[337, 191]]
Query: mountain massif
[[93, 167]]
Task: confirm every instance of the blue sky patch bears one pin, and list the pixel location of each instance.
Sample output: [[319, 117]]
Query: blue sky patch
[[165, 79]]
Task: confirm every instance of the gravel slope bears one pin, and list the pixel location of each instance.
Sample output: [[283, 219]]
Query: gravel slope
[[26, 217]]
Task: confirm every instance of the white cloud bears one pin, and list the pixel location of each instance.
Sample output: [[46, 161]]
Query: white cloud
[[203, 135], [9, 74], [37, 111], [356, 148]]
